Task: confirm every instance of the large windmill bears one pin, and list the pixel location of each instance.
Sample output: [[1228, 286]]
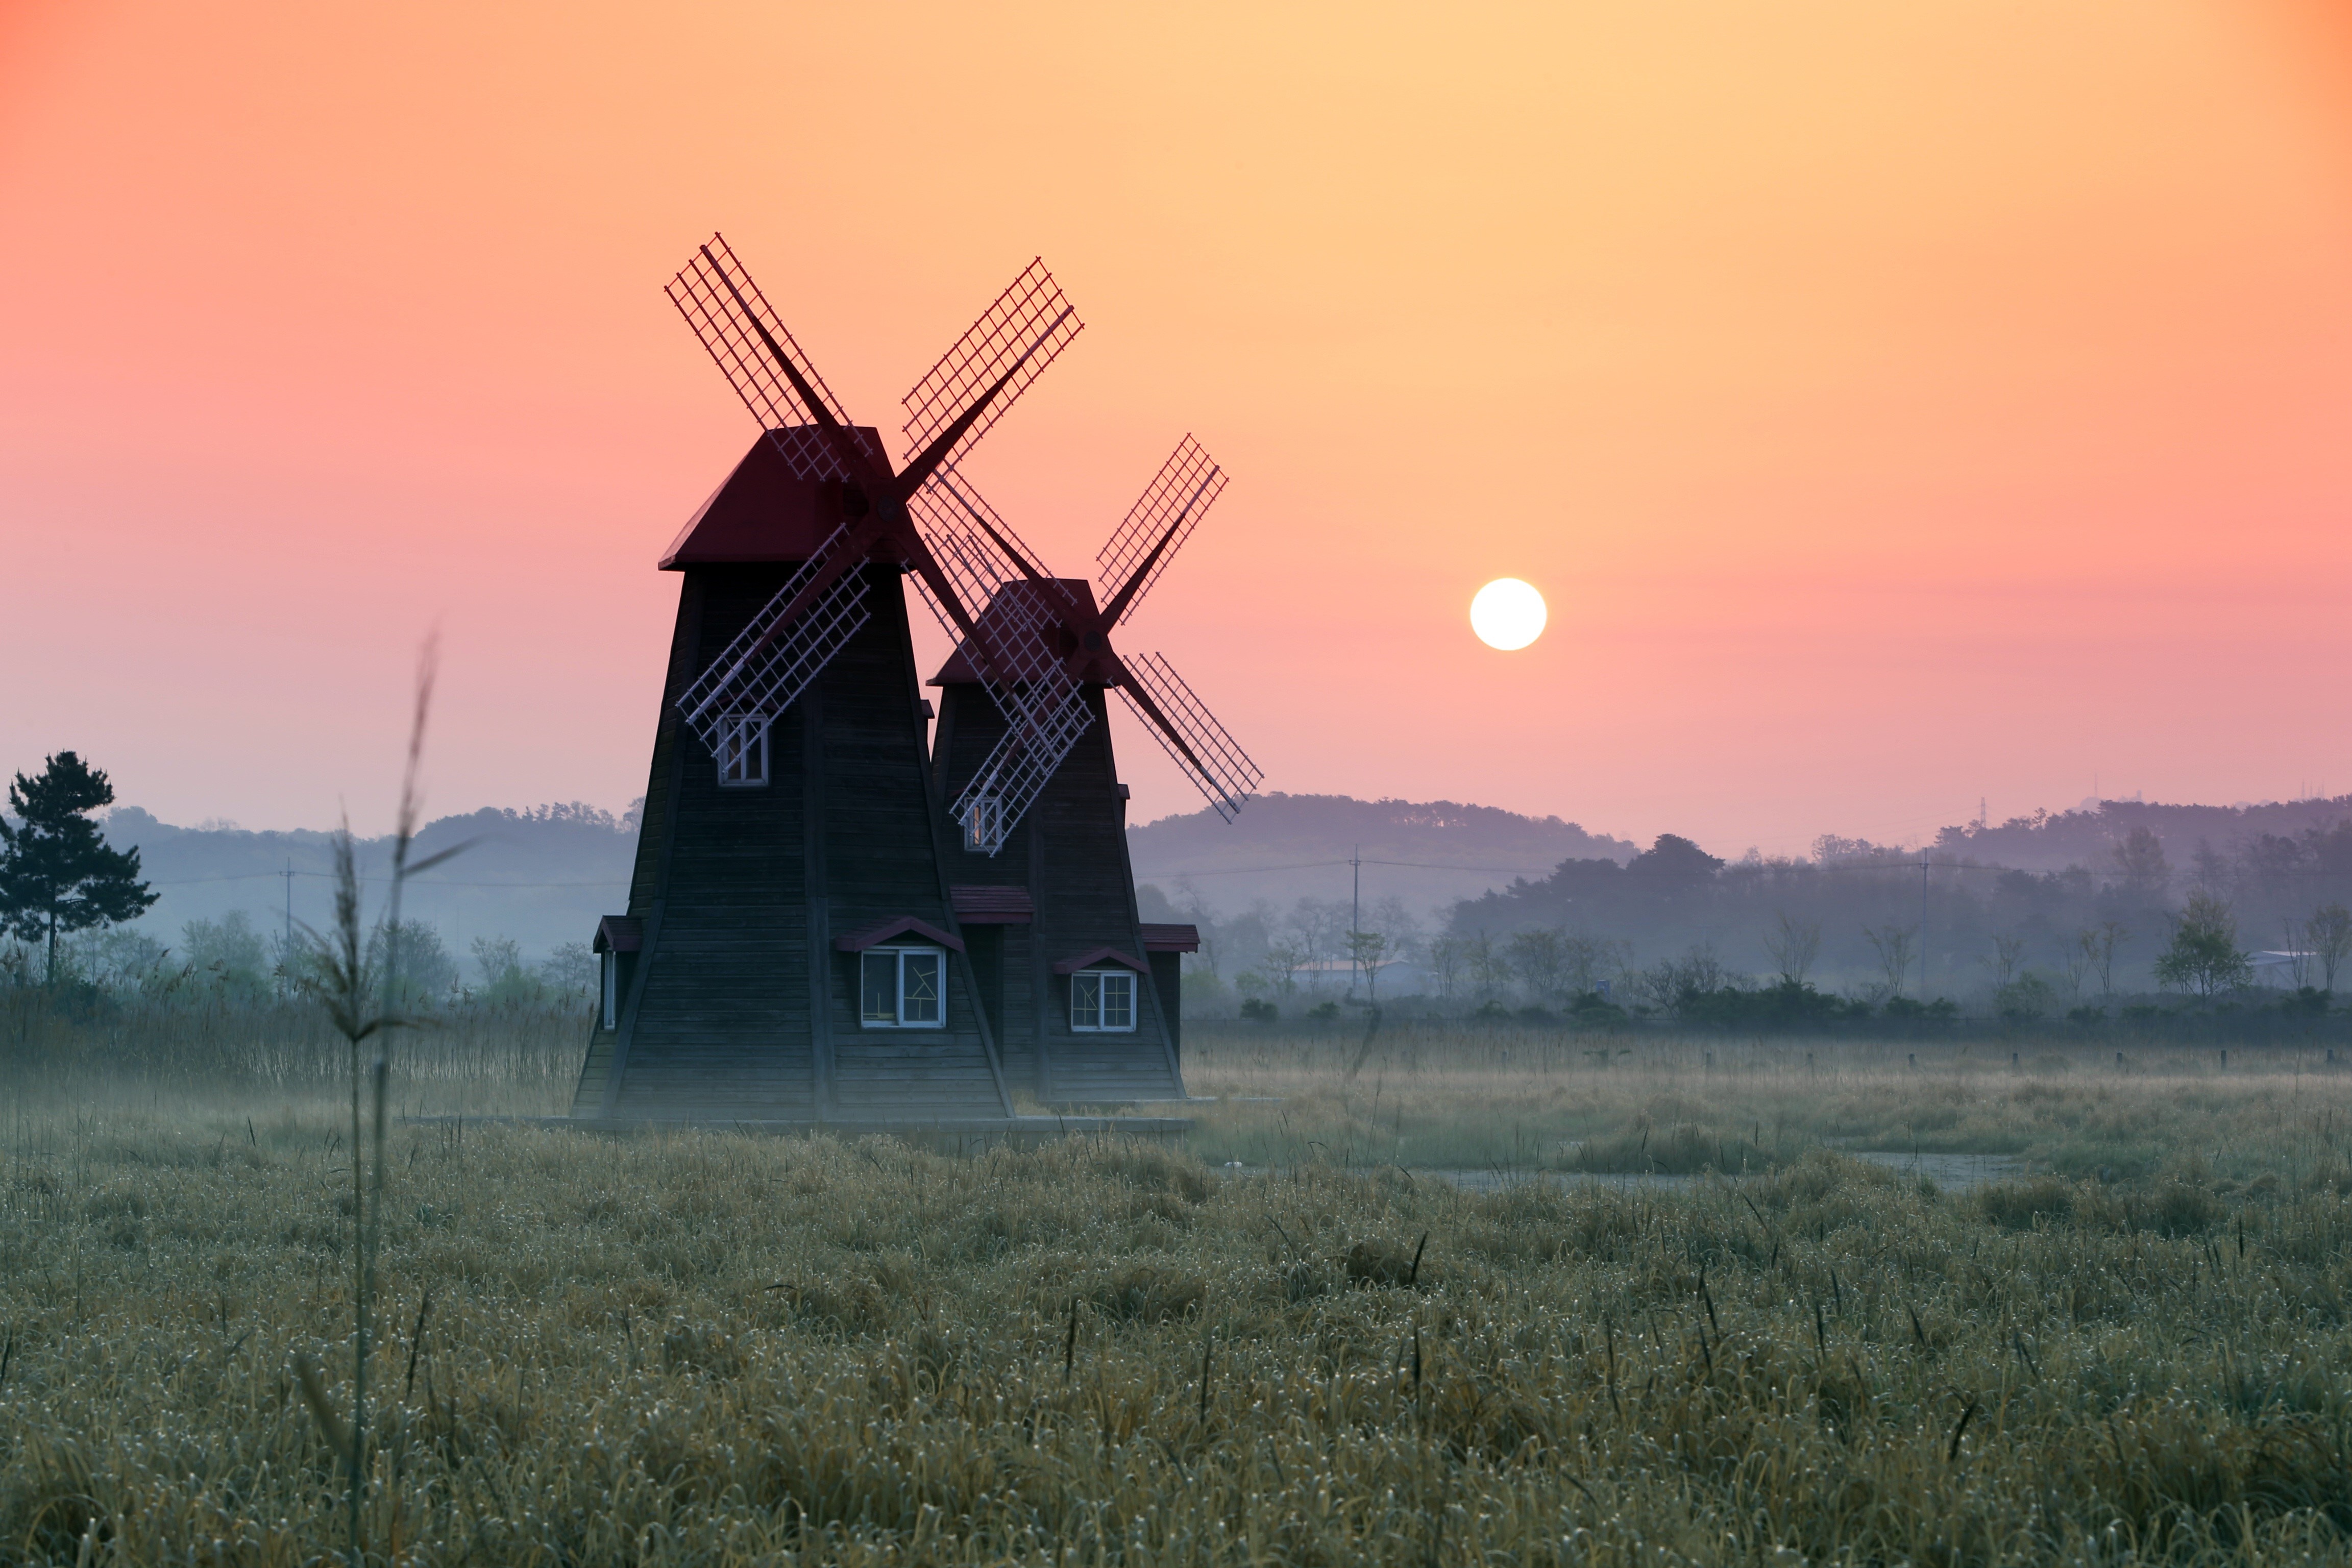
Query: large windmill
[[1083, 996], [791, 950]]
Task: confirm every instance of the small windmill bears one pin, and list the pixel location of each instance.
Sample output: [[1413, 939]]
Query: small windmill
[[791, 950], [1084, 995], [1056, 621]]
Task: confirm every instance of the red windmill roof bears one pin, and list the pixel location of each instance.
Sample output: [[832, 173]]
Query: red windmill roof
[[763, 512], [1012, 614]]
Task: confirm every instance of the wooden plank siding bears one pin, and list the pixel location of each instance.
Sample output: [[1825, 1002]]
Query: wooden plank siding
[[1069, 852], [737, 1004]]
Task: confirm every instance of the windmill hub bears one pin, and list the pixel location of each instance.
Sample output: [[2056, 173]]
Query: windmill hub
[[1094, 642]]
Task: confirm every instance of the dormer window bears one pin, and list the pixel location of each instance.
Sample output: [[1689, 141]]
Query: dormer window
[[902, 988], [1102, 1001], [742, 750]]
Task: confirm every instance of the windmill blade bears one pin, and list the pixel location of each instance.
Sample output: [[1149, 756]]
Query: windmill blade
[[1008, 347], [1156, 527], [1188, 732], [1018, 658], [1017, 771], [770, 662], [949, 506], [728, 314]]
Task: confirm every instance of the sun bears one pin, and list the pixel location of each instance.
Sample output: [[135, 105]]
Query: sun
[[1508, 613]]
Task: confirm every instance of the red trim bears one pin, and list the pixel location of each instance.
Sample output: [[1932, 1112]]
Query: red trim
[[1093, 960], [875, 936], [618, 933], [1171, 939]]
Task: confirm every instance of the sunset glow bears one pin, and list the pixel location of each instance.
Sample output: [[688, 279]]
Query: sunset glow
[[1969, 380]]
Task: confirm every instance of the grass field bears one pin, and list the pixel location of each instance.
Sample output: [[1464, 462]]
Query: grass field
[[706, 1347]]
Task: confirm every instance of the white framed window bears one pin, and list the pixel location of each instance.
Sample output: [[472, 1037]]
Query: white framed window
[[902, 988], [1102, 1001], [608, 987], [742, 750], [983, 823]]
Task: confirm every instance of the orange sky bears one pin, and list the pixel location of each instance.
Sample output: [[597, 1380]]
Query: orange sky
[[1898, 404]]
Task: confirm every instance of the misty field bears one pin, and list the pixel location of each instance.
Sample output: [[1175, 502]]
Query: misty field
[[713, 1346]]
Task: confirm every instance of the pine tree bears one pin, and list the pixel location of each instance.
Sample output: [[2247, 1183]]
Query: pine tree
[[57, 874]]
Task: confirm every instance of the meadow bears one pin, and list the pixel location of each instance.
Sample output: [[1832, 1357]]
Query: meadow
[[715, 1346]]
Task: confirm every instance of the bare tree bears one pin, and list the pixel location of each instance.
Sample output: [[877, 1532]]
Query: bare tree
[[1392, 919], [2329, 937], [1892, 943], [1702, 970], [1586, 957], [1369, 949], [1794, 944], [2075, 963], [1189, 903], [2007, 952], [1539, 958], [1283, 961], [1447, 954], [2140, 858], [1489, 970], [2098, 944], [2298, 957]]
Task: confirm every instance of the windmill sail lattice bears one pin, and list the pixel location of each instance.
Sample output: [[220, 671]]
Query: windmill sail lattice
[[1021, 666], [767, 667], [1187, 485], [812, 616], [1017, 771], [1190, 734], [728, 314], [1013, 341]]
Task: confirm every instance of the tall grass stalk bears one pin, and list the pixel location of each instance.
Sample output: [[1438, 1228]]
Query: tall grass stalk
[[363, 1007]]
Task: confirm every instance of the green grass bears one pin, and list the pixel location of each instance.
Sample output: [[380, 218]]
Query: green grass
[[702, 1347], [1515, 1099]]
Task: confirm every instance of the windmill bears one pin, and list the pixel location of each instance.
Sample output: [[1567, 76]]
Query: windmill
[[790, 950], [1083, 996]]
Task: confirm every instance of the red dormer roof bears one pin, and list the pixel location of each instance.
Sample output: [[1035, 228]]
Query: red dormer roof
[[761, 513], [1015, 614]]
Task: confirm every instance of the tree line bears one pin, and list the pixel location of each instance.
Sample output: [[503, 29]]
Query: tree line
[[66, 897]]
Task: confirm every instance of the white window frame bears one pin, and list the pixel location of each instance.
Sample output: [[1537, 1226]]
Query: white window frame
[[743, 751], [898, 955], [1098, 978], [608, 987], [981, 822]]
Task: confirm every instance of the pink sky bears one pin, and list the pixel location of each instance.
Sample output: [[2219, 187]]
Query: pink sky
[[1898, 405]]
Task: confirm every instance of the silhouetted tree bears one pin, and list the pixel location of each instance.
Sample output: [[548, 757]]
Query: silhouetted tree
[[1892, 942], [1794, 944], [57, 874], [2140, 859], [2329, 937], [2204, 955]]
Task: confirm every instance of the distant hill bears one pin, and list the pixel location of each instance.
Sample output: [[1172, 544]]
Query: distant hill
[[1287, 846], [2087, 836], [542, 876]]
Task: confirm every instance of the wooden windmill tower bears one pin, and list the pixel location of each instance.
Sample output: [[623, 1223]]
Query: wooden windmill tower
[[789, 951], [1084, 997]]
